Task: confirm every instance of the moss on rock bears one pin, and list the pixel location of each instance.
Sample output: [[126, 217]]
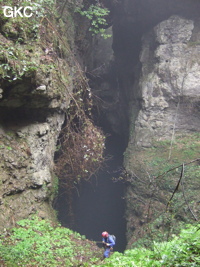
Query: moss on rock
[[154, 174]]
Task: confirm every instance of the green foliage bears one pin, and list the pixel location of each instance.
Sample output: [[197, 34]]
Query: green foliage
[[14, 63], [36, 242], [154, 179], [18, 33], [55, 186], [22, 28], [27, 43], [180, 251], [96, 14]]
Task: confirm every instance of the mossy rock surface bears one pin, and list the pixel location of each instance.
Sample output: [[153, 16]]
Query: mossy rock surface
[[164, 188]]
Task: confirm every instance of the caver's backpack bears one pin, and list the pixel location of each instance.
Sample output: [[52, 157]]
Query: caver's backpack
[[113, 237]]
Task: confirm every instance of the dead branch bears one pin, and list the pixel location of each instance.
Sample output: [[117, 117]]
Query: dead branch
[[179, 181], [177, 186], [186, 201], [188, 163]]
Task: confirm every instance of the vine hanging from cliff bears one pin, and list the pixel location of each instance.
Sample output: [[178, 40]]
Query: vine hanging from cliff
[[81, 144], [80, 148]]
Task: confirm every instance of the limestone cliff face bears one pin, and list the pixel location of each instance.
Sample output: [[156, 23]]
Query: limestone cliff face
[[32, 114], [27, 151], [169, 83], [164, 132], [35, 92]]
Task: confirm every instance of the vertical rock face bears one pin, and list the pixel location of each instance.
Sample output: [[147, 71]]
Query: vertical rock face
[[169, 83], [29, 132], [27, 181], [38, 75], [165, 133], [32, 112]]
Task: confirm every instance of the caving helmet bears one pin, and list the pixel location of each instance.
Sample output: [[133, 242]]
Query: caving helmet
[[105, 234]]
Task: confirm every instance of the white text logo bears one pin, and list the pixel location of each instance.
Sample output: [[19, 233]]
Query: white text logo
[[13, 12]]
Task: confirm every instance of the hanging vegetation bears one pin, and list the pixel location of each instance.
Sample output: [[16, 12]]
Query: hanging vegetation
[[81, 144], [81, 147]]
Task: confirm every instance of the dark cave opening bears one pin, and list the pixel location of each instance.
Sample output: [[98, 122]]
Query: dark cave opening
[[99, 204]]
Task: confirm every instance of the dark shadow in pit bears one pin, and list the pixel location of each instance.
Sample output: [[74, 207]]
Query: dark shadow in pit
[[100, 205]]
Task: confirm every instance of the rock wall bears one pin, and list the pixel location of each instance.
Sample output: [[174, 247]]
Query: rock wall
[[27, 181], [102, 72], [31, 120], [36, 71], [164, 132], [169, 83]]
